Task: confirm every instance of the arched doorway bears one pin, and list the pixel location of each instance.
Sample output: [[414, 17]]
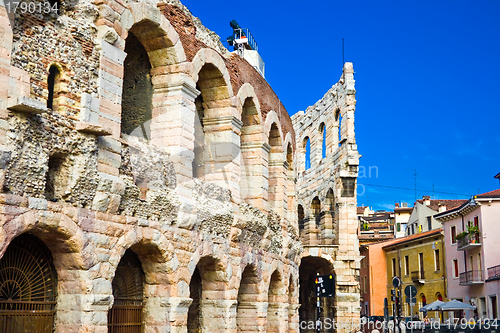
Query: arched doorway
[[128, 288], [248, 299], [28, 287], [309, 268]]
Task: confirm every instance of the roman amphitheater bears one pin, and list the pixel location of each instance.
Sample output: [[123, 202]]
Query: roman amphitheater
[[152, 181]]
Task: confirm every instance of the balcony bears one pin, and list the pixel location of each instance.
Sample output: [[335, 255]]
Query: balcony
[[471, 277], [469, 242], [418, 276], [493, 273]]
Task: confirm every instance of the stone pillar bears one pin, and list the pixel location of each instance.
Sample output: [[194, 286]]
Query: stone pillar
[[218, 316], [277, 184], [177, 312], [172, 126], [222, 166], [108, 105], [256, 155], [277, 318], [293, 318]]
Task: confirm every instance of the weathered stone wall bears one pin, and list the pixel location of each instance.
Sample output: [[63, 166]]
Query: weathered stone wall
[[328, 228], [90, 192], [70, 177]]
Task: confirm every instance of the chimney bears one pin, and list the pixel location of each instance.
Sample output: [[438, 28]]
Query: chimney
[[404, 204], [442, 208], [397, 205], [427, 200]]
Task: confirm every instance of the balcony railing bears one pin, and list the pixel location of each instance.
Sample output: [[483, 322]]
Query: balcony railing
[[468, 242], [494, 273], [471, 277], [418, 276]]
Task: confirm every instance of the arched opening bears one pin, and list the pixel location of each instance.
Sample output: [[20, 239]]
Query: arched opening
[[276, 171], [194, 313], [53, 87], [338, 119], [316, 211], [137, 93], [322, 130], [307, 146], [309, 268], [213, 88], [274, 301], [250, 130], [248, 297], [290, 179], [28, 287], [199, 137], [289, 156], [125, 316], [291, 306], [330, 227], [300, 216], [330, 201], [439, 297], [205, 288]]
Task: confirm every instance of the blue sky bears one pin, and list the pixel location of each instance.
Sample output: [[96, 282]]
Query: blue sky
[[427, 80]]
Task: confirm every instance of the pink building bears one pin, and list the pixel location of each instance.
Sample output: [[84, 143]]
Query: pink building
[[472, 234]]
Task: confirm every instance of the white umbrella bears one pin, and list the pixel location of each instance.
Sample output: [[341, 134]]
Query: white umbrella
[[455, 305], [432, 306]]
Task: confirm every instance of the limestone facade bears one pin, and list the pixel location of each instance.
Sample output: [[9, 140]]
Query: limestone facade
[[197, 176], [327, 169]]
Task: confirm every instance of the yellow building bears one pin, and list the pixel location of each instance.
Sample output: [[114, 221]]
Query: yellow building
[[417, 260]]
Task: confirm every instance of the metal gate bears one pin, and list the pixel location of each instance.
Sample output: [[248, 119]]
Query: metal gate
[[28, 287], [126, 314]]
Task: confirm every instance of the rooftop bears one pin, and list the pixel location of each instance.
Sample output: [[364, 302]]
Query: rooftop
[[410, 238]]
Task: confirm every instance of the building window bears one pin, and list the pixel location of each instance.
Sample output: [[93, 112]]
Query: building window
[[453, 235], [393, 267], [398, 227], [307, 145], [348, 186], [366, 285], [407, 265], [436, 260], [455, 268], [429, 223], [52, 85]]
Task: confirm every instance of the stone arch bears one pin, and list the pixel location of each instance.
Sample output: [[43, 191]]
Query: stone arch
[[323, 139], [338, 126], [210, 56], [307, 153], [69, 246], [55, 82], [160, 39], [28, 285], [208, 285], [301, 217], [72, 254], [310, 267], [277, 171], [215, 121], [153, 249], [249, 299], [247, 91], [276, 303], [157, 259], [251, 140], [159, 46], [272, 118]]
